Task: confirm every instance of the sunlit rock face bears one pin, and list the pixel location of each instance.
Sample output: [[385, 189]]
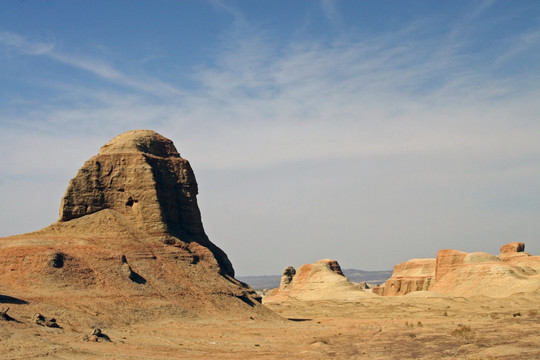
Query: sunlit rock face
[[459, 273], [409, 276]]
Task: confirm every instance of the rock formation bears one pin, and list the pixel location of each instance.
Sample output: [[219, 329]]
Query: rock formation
[[512, 248], [458, 273], [129, 237], [287, 276], [322, 280], [140, 176], [411, 275]]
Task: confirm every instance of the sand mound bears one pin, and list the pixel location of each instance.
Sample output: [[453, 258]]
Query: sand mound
[[322, 280]]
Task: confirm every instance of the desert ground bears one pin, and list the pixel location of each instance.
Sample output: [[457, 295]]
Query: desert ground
[[420, 325]]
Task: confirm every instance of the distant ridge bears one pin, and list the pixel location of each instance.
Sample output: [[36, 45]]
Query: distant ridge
[[374, 277], [272, 281]]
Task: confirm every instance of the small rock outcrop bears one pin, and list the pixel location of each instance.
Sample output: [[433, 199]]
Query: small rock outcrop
[[512, 248], [97, 336], [287, 276], [322, 280], [41, 320], [459, 273]]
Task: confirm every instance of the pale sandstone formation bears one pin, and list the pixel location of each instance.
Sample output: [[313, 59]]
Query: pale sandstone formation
[[469, 274], [322, 280], [513, 247], [129, 237], [458, 273], [411, 275]]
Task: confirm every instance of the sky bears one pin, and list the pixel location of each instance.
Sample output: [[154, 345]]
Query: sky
[[370, 132]]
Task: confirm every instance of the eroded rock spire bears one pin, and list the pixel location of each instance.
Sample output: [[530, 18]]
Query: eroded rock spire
[[141, 175]]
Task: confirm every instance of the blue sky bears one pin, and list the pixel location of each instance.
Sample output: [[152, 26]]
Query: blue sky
[[370, 132]]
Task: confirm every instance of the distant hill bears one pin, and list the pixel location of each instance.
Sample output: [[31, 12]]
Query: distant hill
[[374, 277], [272, 281], [261, 282]]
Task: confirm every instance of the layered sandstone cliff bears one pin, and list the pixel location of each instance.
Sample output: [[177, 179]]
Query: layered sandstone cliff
[[322, 280], [129, 236], [411, 275], [458, 273]]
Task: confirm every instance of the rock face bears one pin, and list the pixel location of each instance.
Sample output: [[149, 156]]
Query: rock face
[[512, 248], [287, 276], [459, 273], [322, 280], [411, 275], [129, 236], [141, 176]]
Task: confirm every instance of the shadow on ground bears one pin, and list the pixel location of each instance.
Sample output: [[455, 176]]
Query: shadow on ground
[[4, 299]]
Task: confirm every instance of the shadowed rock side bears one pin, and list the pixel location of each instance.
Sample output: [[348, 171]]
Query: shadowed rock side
[[458, 273], [129, 237], [322, 280]]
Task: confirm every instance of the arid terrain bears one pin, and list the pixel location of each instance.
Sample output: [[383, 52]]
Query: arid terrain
[[415, 326], [128, 272]]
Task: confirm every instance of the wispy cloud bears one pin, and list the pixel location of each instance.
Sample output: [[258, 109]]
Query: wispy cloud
[[24, 46], [109, 73], [330, 11], [480, 9], [524, 43], [95, 66], [222, 5], [354, 97]]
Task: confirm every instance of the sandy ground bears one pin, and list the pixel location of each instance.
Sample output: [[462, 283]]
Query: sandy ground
[[408, 327]]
